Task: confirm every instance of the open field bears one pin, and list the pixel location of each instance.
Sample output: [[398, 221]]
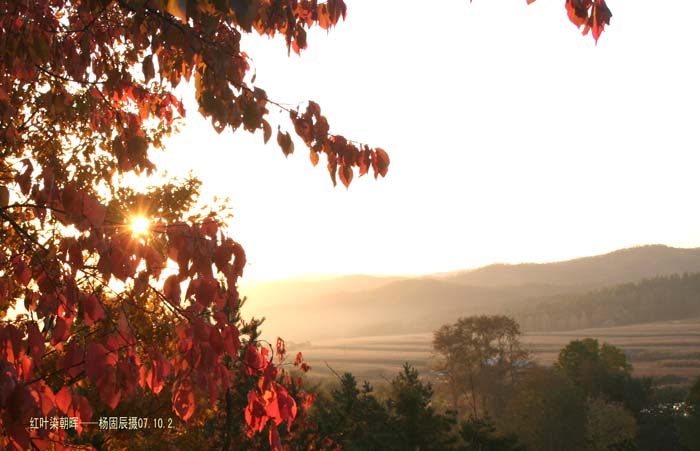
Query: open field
[[668, 351]]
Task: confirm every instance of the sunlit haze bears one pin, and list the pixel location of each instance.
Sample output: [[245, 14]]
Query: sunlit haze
[[512, 138]]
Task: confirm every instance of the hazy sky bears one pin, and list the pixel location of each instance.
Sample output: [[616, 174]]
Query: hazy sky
[[512, 138]]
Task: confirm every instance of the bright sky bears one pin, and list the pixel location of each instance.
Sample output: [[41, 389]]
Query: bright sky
[[512, 138]]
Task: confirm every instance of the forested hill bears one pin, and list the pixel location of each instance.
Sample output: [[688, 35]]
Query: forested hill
[[657, 299], [622, 266]]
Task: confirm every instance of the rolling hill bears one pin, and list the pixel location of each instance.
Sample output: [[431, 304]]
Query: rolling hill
[[622, 266], [366, 305]]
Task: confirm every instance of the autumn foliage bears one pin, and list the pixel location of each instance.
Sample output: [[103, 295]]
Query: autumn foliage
[[97, 320], [101, 316], [592, 15]]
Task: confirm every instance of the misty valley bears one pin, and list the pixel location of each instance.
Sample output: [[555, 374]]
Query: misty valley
[[603, 353]]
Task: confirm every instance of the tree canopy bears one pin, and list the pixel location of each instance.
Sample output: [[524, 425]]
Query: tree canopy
[[480, 356], [603, 371], [99, 317]]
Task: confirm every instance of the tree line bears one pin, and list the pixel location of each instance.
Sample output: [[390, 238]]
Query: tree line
[[657, 299], [490, 396]]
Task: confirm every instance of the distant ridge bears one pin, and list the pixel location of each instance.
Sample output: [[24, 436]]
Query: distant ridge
[[621, 266]]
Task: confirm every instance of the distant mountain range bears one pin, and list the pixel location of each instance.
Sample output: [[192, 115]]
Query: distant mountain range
[[626, 265], [361, 305]]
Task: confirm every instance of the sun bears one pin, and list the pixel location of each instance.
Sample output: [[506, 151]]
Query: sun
[[140, 226]]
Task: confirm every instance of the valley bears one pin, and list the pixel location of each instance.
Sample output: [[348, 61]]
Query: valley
[[667, 351]]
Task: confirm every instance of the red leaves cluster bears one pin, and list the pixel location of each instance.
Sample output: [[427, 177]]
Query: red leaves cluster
[[183, 400], [199, 363], [115, 365], [110, 68], [73, 405], [269, 403], [592, 15], [289, 18], [342, 155], [100, 367], [22, 396]]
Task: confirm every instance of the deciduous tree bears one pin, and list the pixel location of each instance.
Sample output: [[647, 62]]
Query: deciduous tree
[[608, 425], [480, 357], [603, 371], [86, 94], [546, 413]]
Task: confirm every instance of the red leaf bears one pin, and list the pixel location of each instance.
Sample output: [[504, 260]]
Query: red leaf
[[324, 19], [84, 410], [73, 359], [11, 343], [299, 358], [8, 381], [183, 402], [36, 341], [272, 408], [154, 261], [18, 435], [240, 259], [380, 162], [23, 274], [216, 340], [314, 157], [285, 142], [255, 415], [64, 399], [209, 227], [95, 361], [577, 11], [155, 376], [205, 291], [232, 343], [94, 211], [171, 289], [107, 386], [332, 167], [24, 180], [600, 17], [222, 254], [123, 325], [93, 310], [281, 349], [147, 67], [45, 397], [365, 161], [177, 8], [254, 360], [275, 443], [74, 252], [60, 331], [286, 405], [345, 173], [267, 131], [27, 367]]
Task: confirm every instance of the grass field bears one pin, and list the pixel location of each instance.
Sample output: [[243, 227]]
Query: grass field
[[667, 351]]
